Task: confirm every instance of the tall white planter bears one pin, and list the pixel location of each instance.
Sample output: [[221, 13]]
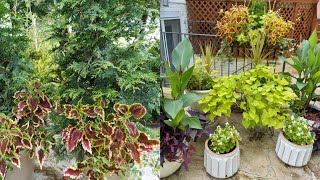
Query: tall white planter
[[202, 93], [292, 154], [26, 170], [221, 165]]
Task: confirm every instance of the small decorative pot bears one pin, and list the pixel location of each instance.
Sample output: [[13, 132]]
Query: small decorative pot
[[292, 154], [169, 168], [221, 165], [201, 93]]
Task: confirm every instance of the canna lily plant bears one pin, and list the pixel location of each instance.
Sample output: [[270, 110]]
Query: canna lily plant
[[12, 142], [31, 111], [110, 143]]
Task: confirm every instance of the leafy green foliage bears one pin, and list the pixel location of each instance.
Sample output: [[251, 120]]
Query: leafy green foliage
[[178, 80], [264, 97], [201, 79], [307, 67], [223, 140], [221, 97], [105, 49], [297, 131]]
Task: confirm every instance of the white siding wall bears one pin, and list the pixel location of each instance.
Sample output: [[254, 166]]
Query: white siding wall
[[177, 9]]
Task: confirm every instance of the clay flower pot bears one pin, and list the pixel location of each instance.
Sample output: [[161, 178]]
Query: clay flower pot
[[292, 154], [221, 165], [169, 168]]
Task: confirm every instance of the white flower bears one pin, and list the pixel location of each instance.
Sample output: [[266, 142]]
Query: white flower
[[227, 123]]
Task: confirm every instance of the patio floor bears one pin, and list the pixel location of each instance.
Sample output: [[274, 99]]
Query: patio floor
[[258, 159]]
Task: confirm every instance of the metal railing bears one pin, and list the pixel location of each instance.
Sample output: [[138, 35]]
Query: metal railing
[[233, 61]]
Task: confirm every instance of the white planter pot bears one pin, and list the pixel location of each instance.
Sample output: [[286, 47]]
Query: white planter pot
[[169, 168], [202, 93], [221, 165], [25, 172], [292, 154]]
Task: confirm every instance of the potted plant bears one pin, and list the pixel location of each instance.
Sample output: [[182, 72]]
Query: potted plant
[[13, 141], [31, 112], [109, 142], [263, 95], [222, 153], [174, 121], [295, 142]]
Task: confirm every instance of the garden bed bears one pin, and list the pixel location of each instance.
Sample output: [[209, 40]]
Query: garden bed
[[258, 157]]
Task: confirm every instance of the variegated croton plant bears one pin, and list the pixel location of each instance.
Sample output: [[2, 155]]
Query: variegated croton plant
[[110, 142], [33, 106], [12, 142]]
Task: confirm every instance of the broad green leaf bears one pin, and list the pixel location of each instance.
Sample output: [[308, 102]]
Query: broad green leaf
[[172, 107], [174, 81], [304, 53], [316, 75], [301, 85], [181, 55], [313, 39], [189, 98], [185, 78], [193, 122], [170, 123], [179, 117]]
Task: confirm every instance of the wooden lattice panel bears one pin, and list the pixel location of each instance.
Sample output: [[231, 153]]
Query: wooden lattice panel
[[204, 14]]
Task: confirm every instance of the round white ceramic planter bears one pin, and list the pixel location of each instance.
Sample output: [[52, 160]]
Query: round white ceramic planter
[[26, 170], [202, 93], [169, 168], [292, 154], [221, 165]]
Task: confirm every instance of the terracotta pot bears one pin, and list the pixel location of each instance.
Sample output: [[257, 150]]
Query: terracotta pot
[[169, 168], [202, 93], [221, 165], [292, 154], [25, 172]]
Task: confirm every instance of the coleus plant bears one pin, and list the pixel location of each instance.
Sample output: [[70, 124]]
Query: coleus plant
[[12, 142], [32, 108], [110, 142]]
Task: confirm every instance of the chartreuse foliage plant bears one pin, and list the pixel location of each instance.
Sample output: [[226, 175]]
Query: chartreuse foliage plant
[[110, 142], [224, 140], [201, 79], [307, 72], [263, 96], [221, 97], [12, 141], [297, 130], [178, 79]]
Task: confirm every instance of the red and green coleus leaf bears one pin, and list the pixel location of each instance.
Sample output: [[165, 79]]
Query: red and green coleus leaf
[[32, 104], [74, 114], [111, 117], [75, 137], [121, 109], [133, 130], [89, 111], [3, 145], [2, 168], [106, 128], [66, 133], [22, 105], [89, 132], [72, 172], [99, 111], [67, 109], [26, 143], [45, 104], [39, 114], [40, 157], [145, 141], [136, 155], [16, 161], [19, 94], [86, 144], [137, 110]]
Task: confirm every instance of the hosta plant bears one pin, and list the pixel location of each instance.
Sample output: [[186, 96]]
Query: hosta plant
[[31, 111], [12, 142], [110, 142], [297, 130], [223, 140]]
